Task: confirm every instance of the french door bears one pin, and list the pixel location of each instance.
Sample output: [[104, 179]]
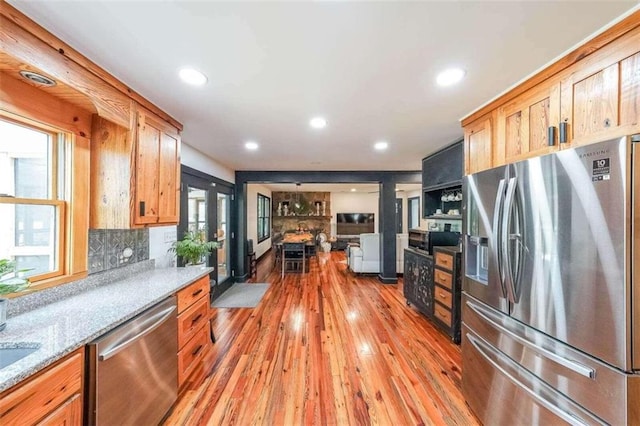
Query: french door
[[205, 207]]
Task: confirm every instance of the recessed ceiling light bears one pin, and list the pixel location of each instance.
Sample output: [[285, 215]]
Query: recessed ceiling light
[[318, 122], [353, 190], [450, 77], [192, 76], [37, 78], [381, 145], [251, 145]]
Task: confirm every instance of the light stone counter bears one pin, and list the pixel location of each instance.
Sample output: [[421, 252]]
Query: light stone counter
[[68, 324]]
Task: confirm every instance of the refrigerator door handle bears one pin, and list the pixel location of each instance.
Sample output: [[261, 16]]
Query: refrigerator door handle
[[496, 247], [567, 363], [489, 353], [505, 239]]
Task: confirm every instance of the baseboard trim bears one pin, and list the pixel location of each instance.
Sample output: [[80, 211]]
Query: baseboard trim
[[388, 280]]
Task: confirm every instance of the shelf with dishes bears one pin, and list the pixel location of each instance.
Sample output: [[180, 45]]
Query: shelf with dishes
[[443, 203], [445, 216]]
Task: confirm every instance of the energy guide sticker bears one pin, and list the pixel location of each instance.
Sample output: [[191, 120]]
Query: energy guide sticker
[[601, 169]]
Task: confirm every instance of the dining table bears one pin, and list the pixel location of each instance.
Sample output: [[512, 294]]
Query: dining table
[[292, 237]]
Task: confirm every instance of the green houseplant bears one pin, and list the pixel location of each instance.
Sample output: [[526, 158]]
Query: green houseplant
[[11, 281], [193, 247]]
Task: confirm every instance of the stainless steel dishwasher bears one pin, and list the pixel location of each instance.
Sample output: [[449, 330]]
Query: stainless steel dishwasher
[[133, 370]]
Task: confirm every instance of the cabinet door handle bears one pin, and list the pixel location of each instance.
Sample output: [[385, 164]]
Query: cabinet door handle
[[198, 349], [563, 132], [551, 135], [141, 208]]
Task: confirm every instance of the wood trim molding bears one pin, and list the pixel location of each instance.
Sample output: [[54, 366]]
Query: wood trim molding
[[591, 46], [27, 41]]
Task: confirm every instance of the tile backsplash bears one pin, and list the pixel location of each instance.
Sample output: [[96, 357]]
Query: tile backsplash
[[113, 248]]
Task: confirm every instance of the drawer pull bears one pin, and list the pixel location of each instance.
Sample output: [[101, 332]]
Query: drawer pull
[[196, 318], [442, 296], [195, 293], [197, 350]]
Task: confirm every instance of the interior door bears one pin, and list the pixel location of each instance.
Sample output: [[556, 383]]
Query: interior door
[[207, 202], [223, 233]]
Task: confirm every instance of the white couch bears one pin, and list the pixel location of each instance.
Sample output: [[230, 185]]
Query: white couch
[[366, 258], [402, 242]]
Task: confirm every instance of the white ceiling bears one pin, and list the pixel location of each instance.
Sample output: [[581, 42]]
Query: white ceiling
[[368, 67]]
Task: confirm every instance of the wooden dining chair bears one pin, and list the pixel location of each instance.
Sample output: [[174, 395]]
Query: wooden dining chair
[[293, 257]]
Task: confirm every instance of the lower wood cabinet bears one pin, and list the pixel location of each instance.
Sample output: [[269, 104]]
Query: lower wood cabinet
[[194, 338], [447, 290], [51, 397], [432, 285]]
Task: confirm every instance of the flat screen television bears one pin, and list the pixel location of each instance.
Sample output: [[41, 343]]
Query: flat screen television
[[355, 223]]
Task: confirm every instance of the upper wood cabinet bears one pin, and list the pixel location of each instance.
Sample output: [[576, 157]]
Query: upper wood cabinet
[[527, 125], [157, 171], [592, 94], [600, 95], [135, 175], [478, 145]]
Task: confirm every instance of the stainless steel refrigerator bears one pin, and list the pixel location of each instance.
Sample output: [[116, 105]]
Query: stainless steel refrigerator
[[551, 306]]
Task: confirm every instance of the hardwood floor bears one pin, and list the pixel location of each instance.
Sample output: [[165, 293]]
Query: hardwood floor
[[327, 347]]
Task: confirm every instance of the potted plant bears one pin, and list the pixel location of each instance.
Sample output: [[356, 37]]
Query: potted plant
[[193, 248], [11, 281]]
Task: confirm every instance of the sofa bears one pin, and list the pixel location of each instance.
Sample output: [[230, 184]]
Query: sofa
[[366, 258], [402, 242]]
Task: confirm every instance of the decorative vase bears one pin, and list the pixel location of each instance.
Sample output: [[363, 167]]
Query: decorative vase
[[3, 313], [324, 208], [279, 209]]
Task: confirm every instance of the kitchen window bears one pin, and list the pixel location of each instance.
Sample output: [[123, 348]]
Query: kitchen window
[[264, 217], [34, 188]]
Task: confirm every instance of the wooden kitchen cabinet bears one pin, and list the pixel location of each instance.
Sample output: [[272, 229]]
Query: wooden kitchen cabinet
[[157, 183], [478, 145], [600, 95], [135, 175], [447, 290], [51, 397], [590, 95], [522, 125], [194, 338]]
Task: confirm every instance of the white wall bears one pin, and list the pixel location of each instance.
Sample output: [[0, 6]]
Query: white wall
[[197, 160], [412, 194], [353, 202], [252, 217], [160, 240]]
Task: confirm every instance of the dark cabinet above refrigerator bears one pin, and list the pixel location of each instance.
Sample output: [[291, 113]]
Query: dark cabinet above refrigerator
[[444, 168]]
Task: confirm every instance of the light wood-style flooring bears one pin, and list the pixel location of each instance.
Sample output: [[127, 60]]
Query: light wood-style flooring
[[327, 347]]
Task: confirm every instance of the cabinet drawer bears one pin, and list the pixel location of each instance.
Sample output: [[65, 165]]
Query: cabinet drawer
[[442, 313], [443, 296], [27, 403], [443, 278], [190, 294], [192, 354], [444, 260], [69, 414], [190, 321]]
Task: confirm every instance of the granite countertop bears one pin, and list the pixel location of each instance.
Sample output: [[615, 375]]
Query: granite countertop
[[66, 325]]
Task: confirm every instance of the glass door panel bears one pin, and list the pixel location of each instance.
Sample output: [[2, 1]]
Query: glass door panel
[[223, 214]]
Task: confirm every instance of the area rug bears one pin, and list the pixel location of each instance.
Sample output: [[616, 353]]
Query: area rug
[[241, 295]]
